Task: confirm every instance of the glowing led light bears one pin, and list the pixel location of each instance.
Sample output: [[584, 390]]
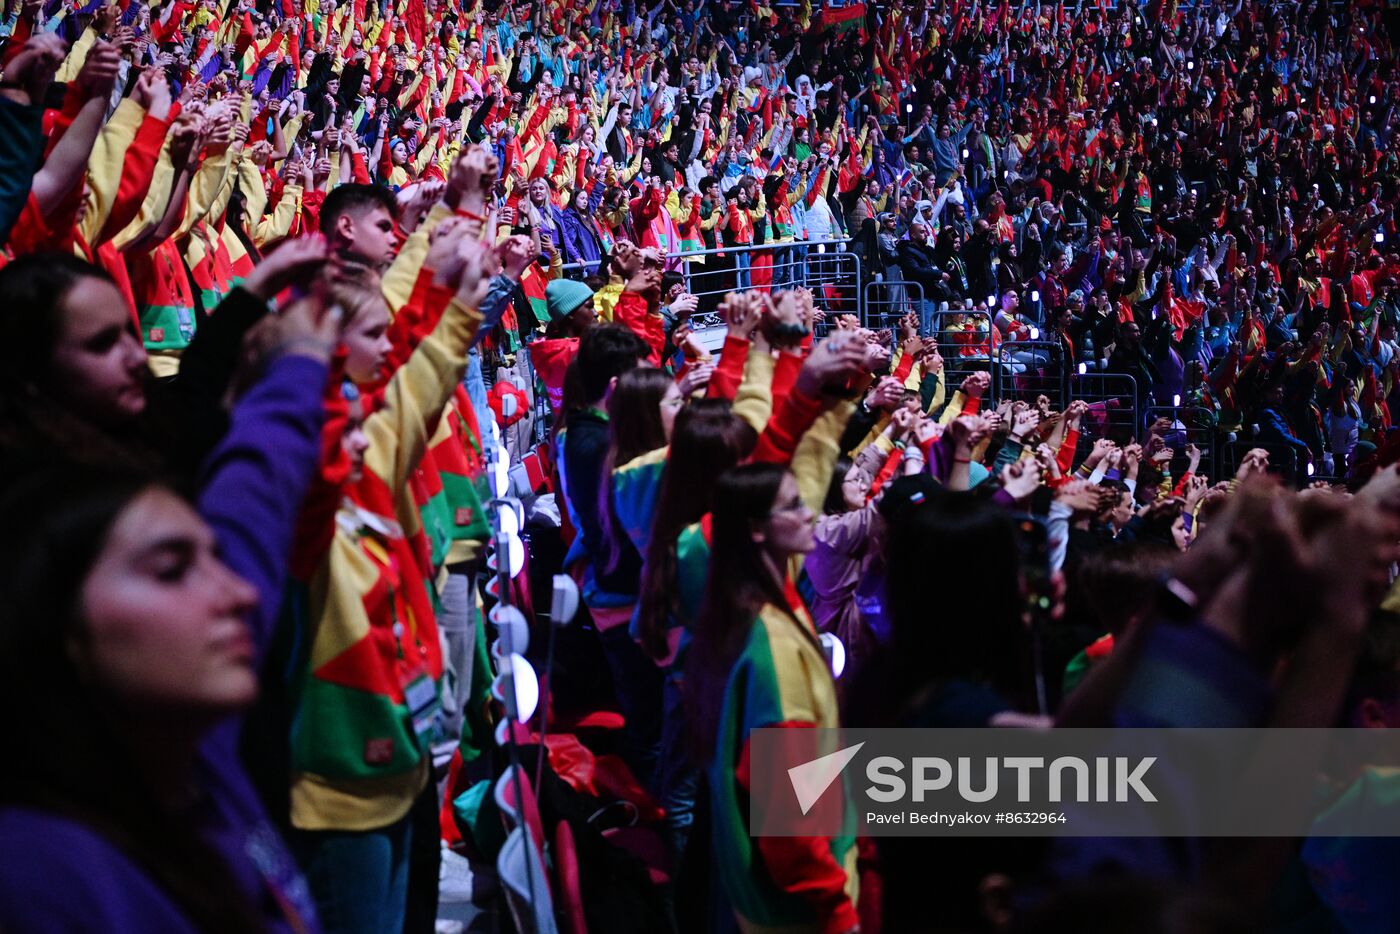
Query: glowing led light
[[1083, 368], [514, 631], [1035, 334], [515, 551], [1310, 470], [835, 653], [1035, 295], [1176, 399], [518, 687]]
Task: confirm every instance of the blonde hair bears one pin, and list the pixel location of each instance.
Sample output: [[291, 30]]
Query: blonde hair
[[358, 300]]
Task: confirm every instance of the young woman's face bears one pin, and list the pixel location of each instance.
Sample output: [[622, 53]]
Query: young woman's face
[[854, 488], [164, 619], [98, 362], [671, 404], [367, 343], [787, 530]]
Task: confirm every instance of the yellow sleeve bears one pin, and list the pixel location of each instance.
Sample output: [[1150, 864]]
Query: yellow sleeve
[[415, 397], [334, 178], [290, 133], [104, 168], [632, 169], [205, 188], [449, 156], [401, 275], [230, 181], [408, 92], [425, 156], [815, 457], [678, 209], [157, 199], [940, 392], [77, 56], [250, 182], [953, 409], [279, 223], [754, 400], [605, 300]]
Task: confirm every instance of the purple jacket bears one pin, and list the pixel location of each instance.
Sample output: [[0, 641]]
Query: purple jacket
[[59, 875]]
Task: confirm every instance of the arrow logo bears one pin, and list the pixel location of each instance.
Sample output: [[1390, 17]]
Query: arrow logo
[[810, 780]]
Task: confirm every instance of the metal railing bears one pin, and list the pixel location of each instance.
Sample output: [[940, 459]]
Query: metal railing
[[1187, 425], [1283, 460], [1026, 370], [824, 266], [1112, 399], [889, 300], [962, 338]]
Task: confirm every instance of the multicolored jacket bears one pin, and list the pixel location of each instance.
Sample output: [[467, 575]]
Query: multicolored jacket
[[780, 679], [358, 760]]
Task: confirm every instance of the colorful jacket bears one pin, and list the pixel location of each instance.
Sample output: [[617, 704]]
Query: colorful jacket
[[780, 679], [358, 757]]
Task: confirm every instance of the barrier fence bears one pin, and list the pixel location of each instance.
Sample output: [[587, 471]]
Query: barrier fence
[[962, 341], [1283, 460], [1113, 410], [1187, 425], [1019, 370], [889, 300], [1026, 370]]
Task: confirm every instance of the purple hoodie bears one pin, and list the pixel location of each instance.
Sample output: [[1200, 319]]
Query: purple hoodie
[[61, 876]]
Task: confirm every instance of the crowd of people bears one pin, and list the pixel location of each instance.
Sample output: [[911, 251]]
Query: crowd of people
[[318, 298]]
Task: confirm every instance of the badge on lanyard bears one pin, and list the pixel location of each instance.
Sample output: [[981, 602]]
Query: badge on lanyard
[[421, 695]]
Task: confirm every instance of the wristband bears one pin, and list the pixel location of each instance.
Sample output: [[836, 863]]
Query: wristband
[[471, 215], [962, 460]]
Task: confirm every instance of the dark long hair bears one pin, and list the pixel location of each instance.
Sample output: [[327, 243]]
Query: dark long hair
[[952, 617], [835, 502], [33, 290], [66, 756], [708, 439], [634, 428], [737, 588]]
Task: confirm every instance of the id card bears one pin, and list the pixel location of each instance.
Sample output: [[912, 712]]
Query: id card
[[421, 695]]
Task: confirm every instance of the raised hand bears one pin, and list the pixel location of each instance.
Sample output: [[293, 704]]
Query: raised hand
[[976, 385], [516, 254], [742, 312], [294, 261], [30, 72], [99, 71], [696, 378], [480, 263], [831, 366], [1021, 478]]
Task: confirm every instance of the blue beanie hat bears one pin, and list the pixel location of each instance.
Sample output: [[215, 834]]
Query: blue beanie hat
[[564, 296]]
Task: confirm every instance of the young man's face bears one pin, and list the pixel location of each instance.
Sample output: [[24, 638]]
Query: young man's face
[[369, 235]]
